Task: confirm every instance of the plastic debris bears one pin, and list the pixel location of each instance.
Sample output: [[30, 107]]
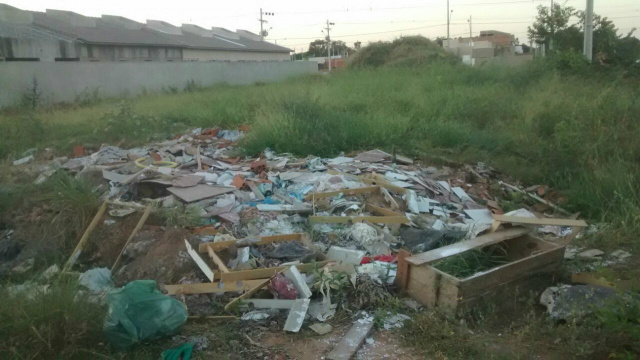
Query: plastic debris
[[139, 312]]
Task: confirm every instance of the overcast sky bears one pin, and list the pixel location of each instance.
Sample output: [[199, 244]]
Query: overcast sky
[[296, 23]]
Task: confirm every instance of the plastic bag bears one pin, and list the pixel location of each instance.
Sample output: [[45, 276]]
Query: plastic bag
[[139, 312]]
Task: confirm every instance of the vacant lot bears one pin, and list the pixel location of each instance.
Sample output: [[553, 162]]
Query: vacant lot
[[577, 133], [574, 132]]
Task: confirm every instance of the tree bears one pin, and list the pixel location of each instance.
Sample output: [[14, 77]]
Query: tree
[[318, 48], [549, 24], [608, 46]]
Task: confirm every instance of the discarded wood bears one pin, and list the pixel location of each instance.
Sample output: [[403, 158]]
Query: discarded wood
[[264, 273], [264, 240], [402, 273], [536, 197], [139, 226], [199, 192], [539, 221], [217, 260], [463, 246], [344, 192], [351, 341], [256, 191], [382, 211], [212, 288], [380, 180], [247, 294], [85, 237], [592, 279], [201, 264]]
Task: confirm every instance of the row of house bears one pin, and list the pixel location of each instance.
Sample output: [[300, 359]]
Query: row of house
[[490, 47], [57, 35]]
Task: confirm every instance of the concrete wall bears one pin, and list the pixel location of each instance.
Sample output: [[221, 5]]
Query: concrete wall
[[63, 81], [213, 55]]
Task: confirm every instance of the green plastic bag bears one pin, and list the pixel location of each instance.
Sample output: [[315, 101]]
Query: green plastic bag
[[182, 352], [139, 312]]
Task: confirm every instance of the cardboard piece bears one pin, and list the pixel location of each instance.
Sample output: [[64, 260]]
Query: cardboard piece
[[199, 192]]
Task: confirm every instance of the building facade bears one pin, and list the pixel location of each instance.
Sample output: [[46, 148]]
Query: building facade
[[56, 35]]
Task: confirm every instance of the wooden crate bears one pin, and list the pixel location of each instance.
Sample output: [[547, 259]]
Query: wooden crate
[[529, 258]]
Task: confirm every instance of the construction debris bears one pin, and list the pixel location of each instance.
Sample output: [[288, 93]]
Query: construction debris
[[298, 236]]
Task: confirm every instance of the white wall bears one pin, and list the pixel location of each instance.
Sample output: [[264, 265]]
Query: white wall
[[216, 55], [63, 81]]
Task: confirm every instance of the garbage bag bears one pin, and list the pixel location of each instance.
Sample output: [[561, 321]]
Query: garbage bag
[[139, 312], [182, 352]]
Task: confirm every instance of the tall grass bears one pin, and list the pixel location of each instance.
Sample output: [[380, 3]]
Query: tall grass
[[573, 132]]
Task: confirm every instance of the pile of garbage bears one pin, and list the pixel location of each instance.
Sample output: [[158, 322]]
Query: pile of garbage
[[281, 234]]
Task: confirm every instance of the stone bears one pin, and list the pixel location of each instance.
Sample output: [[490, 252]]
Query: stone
[[592, 254]]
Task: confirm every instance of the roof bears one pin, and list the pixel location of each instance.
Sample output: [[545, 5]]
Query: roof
[[104, 33], [115, 30], [28, 32]]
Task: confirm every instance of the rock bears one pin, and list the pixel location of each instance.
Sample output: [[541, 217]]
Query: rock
[[412, 304], [24, 266], [321, 329], [621, 255], [570, 252], [592, 254], [564, 302], [52, 271]]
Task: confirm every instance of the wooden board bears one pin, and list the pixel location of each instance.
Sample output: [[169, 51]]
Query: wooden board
[[539, 221], [217, 246], [547, 261], [211, 288], [463, 246], [85, 237], [402, 274], [216, 260], [344, 192], [198, 260], [265, 273], [382, 211]]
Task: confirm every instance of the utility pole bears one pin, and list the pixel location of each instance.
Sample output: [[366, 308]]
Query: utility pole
[[448, 22], [551, 24], [329, 41], [588, 31], [470, 30], [264, 32]]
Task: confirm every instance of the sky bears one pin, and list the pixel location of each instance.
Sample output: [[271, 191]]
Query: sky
[[296, 23]]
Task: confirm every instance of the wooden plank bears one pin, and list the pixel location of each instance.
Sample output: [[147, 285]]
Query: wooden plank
[[199, 192], [380, 180], [212, 288], [351, 341], [85, 237], [382, 211], [254, 290], [255, 190], [541, 262], [344, 192], [264, 273], [402, 273], [355, 219], [141, 222], [463, 246], [536, 197], [198, 260], [539, 221], [217, 260], [218, 246]]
